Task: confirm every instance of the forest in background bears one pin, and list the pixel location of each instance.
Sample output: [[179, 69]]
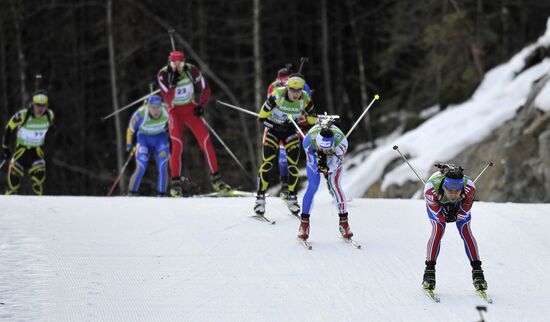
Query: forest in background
[[98, 56]]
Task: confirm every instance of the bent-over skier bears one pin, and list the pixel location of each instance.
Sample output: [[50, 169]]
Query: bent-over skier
[[449, 196]]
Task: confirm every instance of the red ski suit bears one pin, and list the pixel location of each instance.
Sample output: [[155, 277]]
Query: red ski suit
[[182, 93]]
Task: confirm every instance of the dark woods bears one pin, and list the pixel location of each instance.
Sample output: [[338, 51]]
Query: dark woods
[[416, 54]]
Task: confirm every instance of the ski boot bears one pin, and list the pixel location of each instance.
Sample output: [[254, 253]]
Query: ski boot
[[428, 281], [259, 206], [303, 231], [218, 184], [133, 194], [477, 276], [344, 226], [161, 194], [176, 189], [292, 203]]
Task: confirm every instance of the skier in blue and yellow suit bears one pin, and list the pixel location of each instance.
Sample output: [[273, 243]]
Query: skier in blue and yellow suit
[[150, 124]]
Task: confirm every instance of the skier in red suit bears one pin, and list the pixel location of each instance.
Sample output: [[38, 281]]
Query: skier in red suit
[[185, 92]]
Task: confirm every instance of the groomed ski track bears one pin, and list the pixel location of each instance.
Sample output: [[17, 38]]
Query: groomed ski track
[[151, 259]]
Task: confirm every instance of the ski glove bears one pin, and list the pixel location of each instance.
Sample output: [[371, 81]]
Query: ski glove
[[322, 162], [130, 147], [266, 122], [6, 153], [172, 77], [198, 110], [450, 212]]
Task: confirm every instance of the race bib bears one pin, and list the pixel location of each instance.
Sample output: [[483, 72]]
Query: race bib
[[184, 93], [31, 137]]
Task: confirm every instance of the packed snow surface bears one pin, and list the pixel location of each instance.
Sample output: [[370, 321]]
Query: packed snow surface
[[198, 259]]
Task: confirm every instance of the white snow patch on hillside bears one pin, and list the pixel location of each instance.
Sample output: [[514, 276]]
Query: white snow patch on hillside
[[451, 131]]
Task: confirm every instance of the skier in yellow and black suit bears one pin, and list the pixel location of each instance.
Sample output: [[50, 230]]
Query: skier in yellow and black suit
[[283, 102], [30, 126]]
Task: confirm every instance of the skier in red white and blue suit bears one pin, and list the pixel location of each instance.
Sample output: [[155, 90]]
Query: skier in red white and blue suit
[[449, 196]]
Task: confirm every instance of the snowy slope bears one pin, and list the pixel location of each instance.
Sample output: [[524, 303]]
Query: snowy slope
[[448, 133], [149, 259]]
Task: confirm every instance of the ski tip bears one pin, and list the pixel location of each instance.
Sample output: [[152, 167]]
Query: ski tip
[[305, 243]]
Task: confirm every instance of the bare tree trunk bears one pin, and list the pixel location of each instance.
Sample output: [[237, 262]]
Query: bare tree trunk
[[114, 92], [259, 96], [20, 55], [361, 72], [326, 64], [3, 71]]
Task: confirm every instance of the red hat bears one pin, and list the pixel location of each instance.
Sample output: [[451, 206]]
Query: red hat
[[177, 55]]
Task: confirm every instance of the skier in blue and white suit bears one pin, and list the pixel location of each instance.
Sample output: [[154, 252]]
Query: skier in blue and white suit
[[325, 147], [150, 123]]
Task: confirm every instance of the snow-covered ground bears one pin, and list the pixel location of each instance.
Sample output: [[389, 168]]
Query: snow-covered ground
[[448, 133], [149, 259]]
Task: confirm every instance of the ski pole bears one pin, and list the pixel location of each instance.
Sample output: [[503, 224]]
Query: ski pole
[[490, 164], [296, 126], [238, 108], [171, 32], [303, 60], [376, 97], [228, 150], [130, 105], [37, 81], [481, 309], [2, 164], [121, 173], [410, 166]]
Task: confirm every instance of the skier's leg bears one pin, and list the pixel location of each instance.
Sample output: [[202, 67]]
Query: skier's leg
[[434, 243], [176, 127], [335, 185], [38, 172], [200, 131], [142, 159], [292, 147], [269, 152], [162, 153], [313, 179], [283, 167], [16, 171], [470, 244], [334, 180]]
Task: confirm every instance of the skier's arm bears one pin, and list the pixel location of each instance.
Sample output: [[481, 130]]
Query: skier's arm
[[167, 90], [336, 160], [468, 200], [432, 202], [201, 88], [267, 110], [14, 123], [309, 110], [132, 129], [311, 158]]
